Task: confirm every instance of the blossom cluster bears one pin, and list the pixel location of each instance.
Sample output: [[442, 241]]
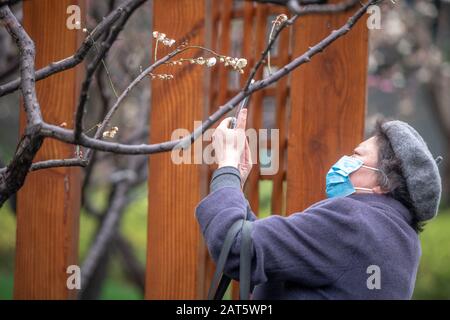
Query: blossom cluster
[[279, 19], [110, 133], [161, 37], [237, 64], [161, 76]]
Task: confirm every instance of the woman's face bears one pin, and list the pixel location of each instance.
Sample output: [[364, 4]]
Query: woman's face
[[367, 151]]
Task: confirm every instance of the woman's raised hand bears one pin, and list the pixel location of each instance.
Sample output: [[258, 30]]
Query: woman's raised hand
[[231, 145]]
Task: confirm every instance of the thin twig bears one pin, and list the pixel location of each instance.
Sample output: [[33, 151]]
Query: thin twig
[[80, 54], [13, 177], [104, 49], [74, 162], [108, 74], [300, 10], [267, 49], [68, 135]]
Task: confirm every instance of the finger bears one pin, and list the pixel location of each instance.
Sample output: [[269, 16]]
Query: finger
[[242, 119], [243, 154], [246, 156], [225, 123], [248, 153]]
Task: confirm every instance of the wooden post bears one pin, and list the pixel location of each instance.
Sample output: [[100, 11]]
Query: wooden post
[[328, 99], [175, 245], [48, 204]]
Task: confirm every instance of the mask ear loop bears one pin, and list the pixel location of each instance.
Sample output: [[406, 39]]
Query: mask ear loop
[[368, 190], [385, 178], [371, 168]]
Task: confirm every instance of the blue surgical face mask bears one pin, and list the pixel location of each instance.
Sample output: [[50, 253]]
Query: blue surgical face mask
[[338, 177]]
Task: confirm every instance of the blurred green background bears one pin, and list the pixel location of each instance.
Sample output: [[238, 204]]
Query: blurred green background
[[433, 279]]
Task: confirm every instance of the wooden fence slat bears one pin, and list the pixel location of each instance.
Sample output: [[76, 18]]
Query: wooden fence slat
[[224, 48], [174, 240], [255, 108], [48, 204], [328, 105], [281, 96]]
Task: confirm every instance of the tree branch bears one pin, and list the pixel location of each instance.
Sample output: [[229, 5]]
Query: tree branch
[[104, 48], [68, 135], [9, 2], [296, 8], [80, 54], [110, 222], [75, 162], [267, 50], [13, 177]]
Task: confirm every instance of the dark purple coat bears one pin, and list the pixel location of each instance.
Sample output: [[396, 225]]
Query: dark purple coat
[[325, 252]]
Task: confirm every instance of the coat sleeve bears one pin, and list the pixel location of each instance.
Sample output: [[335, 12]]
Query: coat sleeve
[[313, 248]]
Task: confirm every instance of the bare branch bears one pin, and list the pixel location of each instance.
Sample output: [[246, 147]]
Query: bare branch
[[300, 10], [80, 54], [110, 221], [75, 162], [68, 135], [105, 46], [13, 177], [133, 269], [267, 50], [284, 2], [9, 2], [27, 53], [124, 94], [304, 7]]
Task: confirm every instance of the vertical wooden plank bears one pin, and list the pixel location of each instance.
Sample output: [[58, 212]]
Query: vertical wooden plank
[[214, 23], [225, 49], [247, 46], [48, 204], [328, 105], [174, 239], [255, 108], [222, 14], [281, 108]]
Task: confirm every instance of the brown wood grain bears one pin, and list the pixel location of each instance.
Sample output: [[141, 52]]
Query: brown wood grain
[[328, 105], [218, 90], [256, 107], [174, 240], [48, 204], [281, 106]]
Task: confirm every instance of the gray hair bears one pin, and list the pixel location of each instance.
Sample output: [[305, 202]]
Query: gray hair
[[390, 177]]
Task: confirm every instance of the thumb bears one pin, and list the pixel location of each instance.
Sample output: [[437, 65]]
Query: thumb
[[225, 123]]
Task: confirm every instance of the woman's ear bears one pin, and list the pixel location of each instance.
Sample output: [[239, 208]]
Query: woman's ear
[[378, 190]]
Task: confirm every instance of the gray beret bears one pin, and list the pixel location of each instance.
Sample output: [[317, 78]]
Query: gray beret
[[419, 168]]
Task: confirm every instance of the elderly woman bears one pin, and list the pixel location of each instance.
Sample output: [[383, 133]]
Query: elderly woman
[[378, 199]]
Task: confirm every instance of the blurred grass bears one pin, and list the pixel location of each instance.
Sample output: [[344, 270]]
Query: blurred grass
[[133, 227], [433, 279]]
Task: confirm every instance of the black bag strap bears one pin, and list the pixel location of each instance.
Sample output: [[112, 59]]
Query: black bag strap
[[245, 261], [214, 292], [220, 281]]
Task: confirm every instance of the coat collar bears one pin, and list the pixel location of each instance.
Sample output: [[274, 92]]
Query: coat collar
[[387, 200]]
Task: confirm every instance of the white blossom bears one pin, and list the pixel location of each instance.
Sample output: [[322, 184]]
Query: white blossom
[[211, 62], [241, 63], [200, 61], [110, 133], [161, 36]]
